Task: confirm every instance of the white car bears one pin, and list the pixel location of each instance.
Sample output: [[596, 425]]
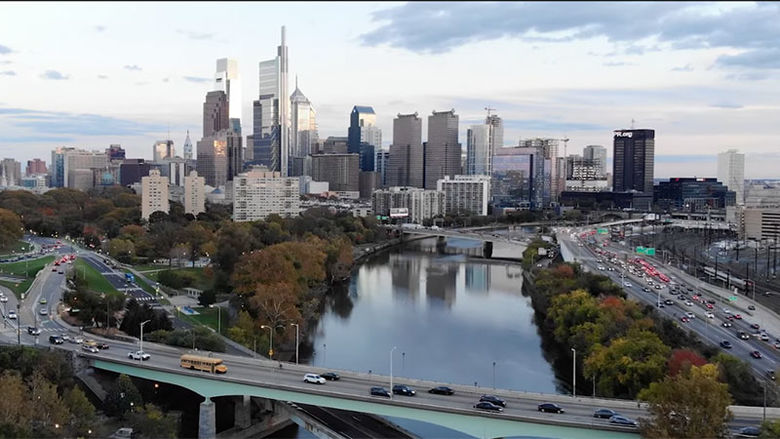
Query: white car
[[43, 312], [601, 267], [627, 284], [90, 349], [710, 315], [689, 303], [3, 298], [690, 315], [138, 355], [313, 378], [12, 315]]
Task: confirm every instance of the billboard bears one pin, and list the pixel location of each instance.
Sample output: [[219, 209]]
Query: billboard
[[399, 212]]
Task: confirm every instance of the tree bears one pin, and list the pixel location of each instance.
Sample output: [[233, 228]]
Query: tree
[[567, 315], [742, 384], [14, 405], [691, 404], [770, 429], [121, 250], [151, 422], [82, 412], [683, 359], [50, 413], [122, 396], [11, 229]]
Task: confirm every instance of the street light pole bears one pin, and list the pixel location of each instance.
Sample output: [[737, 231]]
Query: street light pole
[[219, 318], [391, 371], [296, 340], [574, 373], [271, 346], [494, 375], [142, 334]]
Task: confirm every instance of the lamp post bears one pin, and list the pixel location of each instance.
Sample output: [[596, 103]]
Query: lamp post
[[18, 324], [271, 346], [391, 371], [494, 375], [574, 373], [219, 318], [297, 328], [142, 333]]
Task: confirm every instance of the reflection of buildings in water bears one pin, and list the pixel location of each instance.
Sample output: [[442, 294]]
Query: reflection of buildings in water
[[477, 278], [441, 283], [406, 275], [506, 278]]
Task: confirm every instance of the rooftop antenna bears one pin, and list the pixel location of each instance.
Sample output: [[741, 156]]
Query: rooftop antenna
[[632, 123]]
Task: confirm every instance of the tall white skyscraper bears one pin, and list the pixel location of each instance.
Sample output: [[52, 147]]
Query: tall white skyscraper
[[478, 152], [598, 154], [731, 172], [270, 141], [303, 130], [227, 80]]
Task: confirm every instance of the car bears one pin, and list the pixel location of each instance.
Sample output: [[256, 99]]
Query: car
[[764, 336], [493, 399], [3, 299], [331, 376], [43, 312], [754, 325], [710, 315], [379, 391], [627, 284], [771, 374], [42, 301], [726, 311], [138, 355], [658, 286], [622, 420], [748, 432], [755, 354], [550, 407], [55, 339], [60, 272], [32, 330], [313, 378], [54, 269], [12, 315], [751, 307], [709, 306], [689, 303], [101, 345], [442, 390], [601, 267], [484, 405], [76, 339], [690, 315], [645, 289], [684, 319], [777, 345], [725, 344], [90, 349], [402, 389], [744, 335], [605, 413], [89, 343], [738, 316]]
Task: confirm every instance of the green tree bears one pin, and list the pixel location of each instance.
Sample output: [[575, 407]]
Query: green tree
[[770, 429], [742, 384], [122, 250], [573, 316], [50, 413], [15, 410], [11, 229], [152, 423], [122, 396], [691, 404], [82, 412]]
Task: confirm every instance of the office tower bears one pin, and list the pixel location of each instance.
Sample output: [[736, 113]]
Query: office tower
[[518, 178], [260, 192], [553, 175], [731, 172], [465, 194], [188, 147], [70, 162], [215, 113], [496, 131], [303, 130], [598, 156], [194, 194], [478, 153], [219, 157], [333, 145], [154, 194], [115, 152], [270, 135], [132, 170], [163, 149], [35, 167], [406, 153], [10, 173], [633, 162], [177, 170], [227, 81], [692, 194], [341, 171], [363, 136], [442, 150], [381, 163]]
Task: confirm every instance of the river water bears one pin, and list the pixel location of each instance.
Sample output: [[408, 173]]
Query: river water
[[450, 317]]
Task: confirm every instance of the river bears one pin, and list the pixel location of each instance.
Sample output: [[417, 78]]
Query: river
[[450, 317]]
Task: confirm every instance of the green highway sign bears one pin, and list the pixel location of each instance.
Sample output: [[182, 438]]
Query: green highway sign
[[649, 251], [603, 231], [733, 298]]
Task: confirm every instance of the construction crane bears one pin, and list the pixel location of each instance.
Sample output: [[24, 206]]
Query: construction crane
[[488, 109]]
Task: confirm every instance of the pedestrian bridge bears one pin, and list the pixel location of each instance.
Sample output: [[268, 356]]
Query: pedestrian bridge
[[454, 412]]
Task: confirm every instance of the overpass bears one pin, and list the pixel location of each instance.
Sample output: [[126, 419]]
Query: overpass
[[264, 379]]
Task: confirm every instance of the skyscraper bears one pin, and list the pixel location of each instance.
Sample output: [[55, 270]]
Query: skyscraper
[[363, 136], [633, 162], [479, 156], [303, 132], [219, 157], [496, 131], [227, 81], [154, 194], [163, 149], [35, 167], [215, 113], [194, 194], [115, 152], [10, 173], [442, 150], [598, 155], [381, 164], [270, 136], [188, 147], [406, 152], [731, 172]]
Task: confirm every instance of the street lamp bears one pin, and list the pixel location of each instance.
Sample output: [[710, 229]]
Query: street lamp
[[574, 373], [494, 375], [297, 328], [219, 318], [391, 371], [142, 334], [271, 345]]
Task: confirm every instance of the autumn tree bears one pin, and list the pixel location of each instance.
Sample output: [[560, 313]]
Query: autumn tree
[[50, 413], [682, 359], [82, 412], [691, 404], [573, 318], [151, 422], [15, 410], [122, 396], [11, 229]]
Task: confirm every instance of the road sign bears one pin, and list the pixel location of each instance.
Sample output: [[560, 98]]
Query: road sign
[[603, 231], [733, 298], [649, 251]]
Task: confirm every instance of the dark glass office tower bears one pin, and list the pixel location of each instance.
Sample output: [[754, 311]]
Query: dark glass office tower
[[633, 162]]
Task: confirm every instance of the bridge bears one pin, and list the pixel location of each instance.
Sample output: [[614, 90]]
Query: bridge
[[261, 378]]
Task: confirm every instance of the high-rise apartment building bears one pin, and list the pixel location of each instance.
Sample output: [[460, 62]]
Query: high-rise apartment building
[[10, 173], [422, 204], [215, 113], [69, 162], [363, 136], [35, 167], [554, 179], [381, 162], [187, 147], [260, 192], [442, 150], [406, 152], [154, 194], [303, 131], [633, 161], [194, 194], [465, 194], [341, 171], [163, 149], [731, 172], [598, 156], [227, 81], [479, 156], [271, 119]]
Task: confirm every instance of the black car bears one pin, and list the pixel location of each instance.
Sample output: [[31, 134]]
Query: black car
[[484, 405], [605, 413], [550, 408], [669, 302], [493, 399], [380, 391], [725, 344], [32, 330], [442, 390], [401, 389], [331, 376], [55, 339]]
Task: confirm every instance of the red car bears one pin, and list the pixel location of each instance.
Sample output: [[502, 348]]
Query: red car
[[755, 354], [684, 319], [709, 306], [737, 316]]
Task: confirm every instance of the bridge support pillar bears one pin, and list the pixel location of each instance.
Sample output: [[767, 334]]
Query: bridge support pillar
[[243, 415], [207, 420]]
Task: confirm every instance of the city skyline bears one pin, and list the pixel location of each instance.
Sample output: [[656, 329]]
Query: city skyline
[[689, 72]]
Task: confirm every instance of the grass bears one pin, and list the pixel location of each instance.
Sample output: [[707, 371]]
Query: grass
[[143, 268], [15, 248], [17, 288], [199, 280], [95, 280], [31, 267], [208, 317]]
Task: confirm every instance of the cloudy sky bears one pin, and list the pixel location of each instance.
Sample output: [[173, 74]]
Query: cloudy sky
[[703, 75]]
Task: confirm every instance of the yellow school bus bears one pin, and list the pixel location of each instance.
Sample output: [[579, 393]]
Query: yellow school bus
[[208, 364]]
